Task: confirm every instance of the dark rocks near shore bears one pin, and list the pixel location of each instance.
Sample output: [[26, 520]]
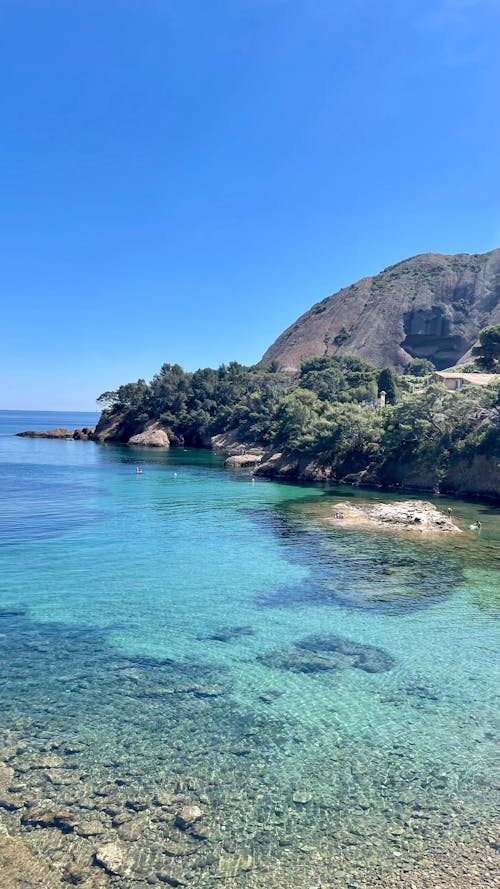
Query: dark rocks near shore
[[83, 434]]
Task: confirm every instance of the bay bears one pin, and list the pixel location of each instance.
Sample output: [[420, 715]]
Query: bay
[[326, 698]]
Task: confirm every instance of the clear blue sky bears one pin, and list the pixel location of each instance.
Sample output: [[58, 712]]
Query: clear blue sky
[[180, 179]]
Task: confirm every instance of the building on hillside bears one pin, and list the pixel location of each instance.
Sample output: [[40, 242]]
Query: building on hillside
[[454, 381]]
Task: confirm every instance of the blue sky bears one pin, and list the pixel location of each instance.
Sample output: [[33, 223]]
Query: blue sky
[[180, 179]]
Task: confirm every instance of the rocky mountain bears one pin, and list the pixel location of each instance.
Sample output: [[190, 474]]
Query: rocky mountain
[[429, 306]]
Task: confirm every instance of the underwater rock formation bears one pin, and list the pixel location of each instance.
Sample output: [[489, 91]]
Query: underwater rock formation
[[326, 653]]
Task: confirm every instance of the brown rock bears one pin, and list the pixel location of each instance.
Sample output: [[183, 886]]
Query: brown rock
[[113, 858], [187, 816], [429, 306], [21, 869], [153, 436], [40, 817], [90, 828]]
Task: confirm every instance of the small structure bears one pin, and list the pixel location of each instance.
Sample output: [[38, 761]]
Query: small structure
[[381, 399], [454, 381]]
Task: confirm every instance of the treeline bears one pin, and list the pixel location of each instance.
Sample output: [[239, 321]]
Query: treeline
[[328, 411]]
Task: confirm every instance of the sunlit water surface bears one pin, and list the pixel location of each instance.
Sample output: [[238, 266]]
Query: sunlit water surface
[[327, 698]]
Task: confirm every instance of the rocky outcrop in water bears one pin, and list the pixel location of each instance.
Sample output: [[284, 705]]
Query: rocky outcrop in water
[[153, 436], [410, 515], [430, 306], [83, 434], [118, 428]]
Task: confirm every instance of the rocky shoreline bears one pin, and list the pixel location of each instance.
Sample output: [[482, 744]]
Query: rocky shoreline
[[83, 434], [479, 477]]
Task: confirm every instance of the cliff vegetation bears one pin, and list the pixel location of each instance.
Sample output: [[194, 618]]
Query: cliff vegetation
[[326, 422]]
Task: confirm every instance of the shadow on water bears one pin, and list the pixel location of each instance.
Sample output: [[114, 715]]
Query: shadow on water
[[358, 571]]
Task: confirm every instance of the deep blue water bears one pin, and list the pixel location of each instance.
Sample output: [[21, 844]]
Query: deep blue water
[[319, 688]]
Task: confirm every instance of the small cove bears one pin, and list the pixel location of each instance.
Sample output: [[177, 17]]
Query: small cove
[[155, 628]]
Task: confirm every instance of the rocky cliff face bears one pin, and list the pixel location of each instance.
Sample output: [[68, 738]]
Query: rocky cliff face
[[477, 478], [117, 428], [430, 306]]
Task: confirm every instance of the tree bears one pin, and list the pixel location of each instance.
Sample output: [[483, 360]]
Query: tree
[[487, 353], [419, 367], [387, 383]]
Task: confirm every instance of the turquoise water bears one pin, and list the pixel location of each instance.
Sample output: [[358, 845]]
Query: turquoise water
[[326, 698]]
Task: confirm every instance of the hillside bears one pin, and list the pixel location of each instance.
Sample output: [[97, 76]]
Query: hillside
[[430, 306]]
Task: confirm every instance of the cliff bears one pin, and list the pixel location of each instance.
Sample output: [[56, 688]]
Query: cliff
[[118, 428], [478, 477], [430, 306]]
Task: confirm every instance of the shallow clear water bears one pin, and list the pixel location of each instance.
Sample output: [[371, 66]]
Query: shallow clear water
[[178, 631]]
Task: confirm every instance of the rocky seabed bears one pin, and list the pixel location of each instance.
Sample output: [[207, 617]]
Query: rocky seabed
[[129, 773]]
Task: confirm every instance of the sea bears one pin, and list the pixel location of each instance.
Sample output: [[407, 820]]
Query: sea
[[206, 684]]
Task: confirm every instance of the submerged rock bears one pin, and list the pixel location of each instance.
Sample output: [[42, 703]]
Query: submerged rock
[[90, 828], [364, 657], [19, 867], [326, 653], [232, 865], [40, 817], [113, 859], [269, 697], [298, 661], [171, 879], [227, 634], [187, 816]]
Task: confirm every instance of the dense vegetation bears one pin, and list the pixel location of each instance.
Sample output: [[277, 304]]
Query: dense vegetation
[[327, 412], [487, 352]]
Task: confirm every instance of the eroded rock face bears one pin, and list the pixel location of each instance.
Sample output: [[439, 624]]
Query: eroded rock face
[[153, 436], [117, 427], [430, 306]]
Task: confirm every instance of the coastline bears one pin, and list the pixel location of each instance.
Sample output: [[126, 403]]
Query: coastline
[[478, 478]]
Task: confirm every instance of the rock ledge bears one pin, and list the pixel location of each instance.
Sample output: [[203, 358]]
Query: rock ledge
[[409, 515]]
